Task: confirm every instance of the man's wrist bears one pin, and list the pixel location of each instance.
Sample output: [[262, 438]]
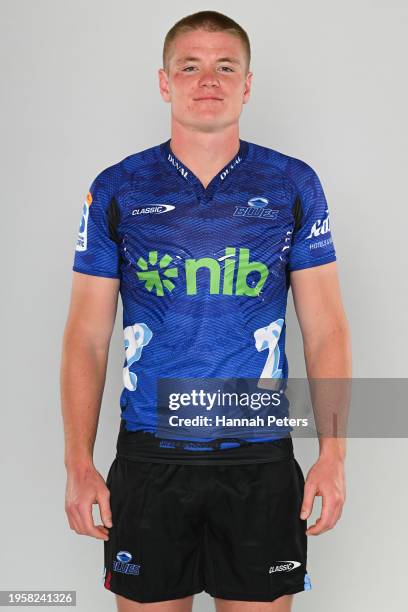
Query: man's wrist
[[332, 448], [78, 462]]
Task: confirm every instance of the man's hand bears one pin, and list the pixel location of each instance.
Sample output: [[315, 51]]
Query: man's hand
[[85, 486], [325, 478]]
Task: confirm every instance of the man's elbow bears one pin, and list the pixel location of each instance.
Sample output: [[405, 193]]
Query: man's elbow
[[80, 335]]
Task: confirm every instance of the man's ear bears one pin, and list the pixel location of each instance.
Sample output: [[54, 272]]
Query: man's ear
[[164, 85], [247, 90]]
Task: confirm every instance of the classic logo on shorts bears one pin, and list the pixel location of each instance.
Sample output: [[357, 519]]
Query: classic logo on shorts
[[83, 226], [123, 565], [284, 566], [256, 207]]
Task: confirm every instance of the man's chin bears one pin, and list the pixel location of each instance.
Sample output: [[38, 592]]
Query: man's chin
[[206, 122]]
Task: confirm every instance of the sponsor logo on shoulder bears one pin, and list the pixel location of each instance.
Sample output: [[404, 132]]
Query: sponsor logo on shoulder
[[320, 227], [256, 207], [82, 239], [156, 209], [284, 566], [122, 564]]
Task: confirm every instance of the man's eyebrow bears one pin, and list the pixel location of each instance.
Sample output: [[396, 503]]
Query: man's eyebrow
[[190, 58], [232, 60]]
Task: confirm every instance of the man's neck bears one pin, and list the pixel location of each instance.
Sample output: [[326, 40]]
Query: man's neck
[[205, 153]]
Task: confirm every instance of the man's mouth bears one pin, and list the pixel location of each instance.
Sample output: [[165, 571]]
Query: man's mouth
[[208, 98]]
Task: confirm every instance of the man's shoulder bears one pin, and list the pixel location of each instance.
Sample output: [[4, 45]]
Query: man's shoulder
[[115, 175], [294, 168]]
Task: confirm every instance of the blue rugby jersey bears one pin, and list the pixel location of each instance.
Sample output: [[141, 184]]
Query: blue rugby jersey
[[204, 272]]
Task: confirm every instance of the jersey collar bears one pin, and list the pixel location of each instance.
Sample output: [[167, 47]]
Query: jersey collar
[[219, 179]]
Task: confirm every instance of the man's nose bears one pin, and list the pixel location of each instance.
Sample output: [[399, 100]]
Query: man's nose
[[209, 78]]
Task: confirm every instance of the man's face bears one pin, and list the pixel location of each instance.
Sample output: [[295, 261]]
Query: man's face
[[207, 81]]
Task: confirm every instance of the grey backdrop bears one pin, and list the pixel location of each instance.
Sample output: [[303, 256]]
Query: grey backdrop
[[80, 93]]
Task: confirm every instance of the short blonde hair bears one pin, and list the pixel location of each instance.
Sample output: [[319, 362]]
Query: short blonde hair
[[210, 21]]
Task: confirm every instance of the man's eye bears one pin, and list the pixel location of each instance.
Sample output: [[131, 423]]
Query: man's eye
[[189, 68]]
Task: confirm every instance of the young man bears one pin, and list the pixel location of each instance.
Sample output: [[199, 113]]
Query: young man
[[202, 235]]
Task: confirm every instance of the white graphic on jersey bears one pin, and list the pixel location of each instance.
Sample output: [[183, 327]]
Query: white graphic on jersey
[[267, 338], [232, 165], [153, 208], [136, 337], [177, 165], [83, 226], [287, 243], [284, 566], [320, 227]]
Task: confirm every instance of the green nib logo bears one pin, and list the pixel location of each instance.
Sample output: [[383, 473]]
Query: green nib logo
[[153, 279]]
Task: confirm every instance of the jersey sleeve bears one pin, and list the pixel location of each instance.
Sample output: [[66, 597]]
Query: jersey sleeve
[[312, 242], [95, 252]]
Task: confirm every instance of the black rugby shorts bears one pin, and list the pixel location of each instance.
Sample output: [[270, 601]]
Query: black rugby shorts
[[233, 531]]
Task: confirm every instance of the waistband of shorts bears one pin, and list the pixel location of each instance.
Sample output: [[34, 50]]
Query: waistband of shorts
[[145, 446]]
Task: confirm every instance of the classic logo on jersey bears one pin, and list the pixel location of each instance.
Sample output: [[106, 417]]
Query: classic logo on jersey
[[153, 209], [123, 565], [256, 207], [284, 566], [320, 227], [230, 279], [83, 226]]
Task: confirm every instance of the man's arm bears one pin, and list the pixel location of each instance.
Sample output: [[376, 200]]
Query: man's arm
[[85, 351], [327, 350]]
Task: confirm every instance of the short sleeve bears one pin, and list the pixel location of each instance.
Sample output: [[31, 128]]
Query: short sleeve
[[312, 242], [95, 252]]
